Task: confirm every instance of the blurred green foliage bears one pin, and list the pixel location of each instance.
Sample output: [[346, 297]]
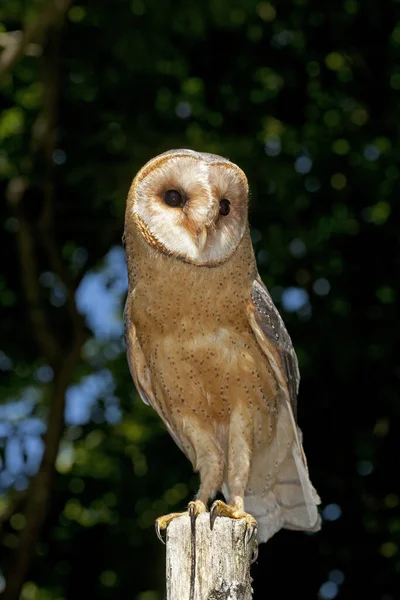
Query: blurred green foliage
[[304, 96]]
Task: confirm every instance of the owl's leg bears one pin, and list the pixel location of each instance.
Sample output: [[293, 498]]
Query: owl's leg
[[207, 459], [211, 469], [239, 463]]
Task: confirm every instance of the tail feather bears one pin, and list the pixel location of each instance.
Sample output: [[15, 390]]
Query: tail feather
[[290, 503], [288, 500]]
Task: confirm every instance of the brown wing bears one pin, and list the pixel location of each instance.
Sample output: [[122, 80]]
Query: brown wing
[[136, 359], [293, 487], [139, 369], [274, 339]]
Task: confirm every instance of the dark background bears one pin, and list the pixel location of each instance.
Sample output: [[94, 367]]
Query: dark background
[[303, 95]]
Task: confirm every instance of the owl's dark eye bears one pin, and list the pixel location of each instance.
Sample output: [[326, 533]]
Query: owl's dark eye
[[174, 198], [224, 207]]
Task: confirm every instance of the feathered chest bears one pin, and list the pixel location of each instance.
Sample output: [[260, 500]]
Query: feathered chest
[[169, 294], [194, 332]]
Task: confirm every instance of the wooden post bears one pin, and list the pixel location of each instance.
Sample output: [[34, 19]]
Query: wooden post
[[220, 565]]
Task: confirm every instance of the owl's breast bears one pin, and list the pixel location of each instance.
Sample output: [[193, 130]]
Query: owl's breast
[[203, 358], [193, 329]]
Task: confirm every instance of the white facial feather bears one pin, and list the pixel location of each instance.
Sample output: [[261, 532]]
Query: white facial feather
[[197, 233]]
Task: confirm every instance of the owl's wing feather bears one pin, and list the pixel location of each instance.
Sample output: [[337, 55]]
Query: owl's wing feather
[[292, 501], [272, 336], [139, 369], [272, 326], [136, 360]]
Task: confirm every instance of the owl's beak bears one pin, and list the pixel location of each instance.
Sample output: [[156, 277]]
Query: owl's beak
[[201, 226], [202, 239]]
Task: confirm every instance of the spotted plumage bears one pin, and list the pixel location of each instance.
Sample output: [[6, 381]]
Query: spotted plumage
[[206, 347]]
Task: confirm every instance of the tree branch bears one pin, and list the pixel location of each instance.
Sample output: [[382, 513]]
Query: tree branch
[[48, 119], [51, 344], [44, 336], [16, 48], [15, 503], [39, 493], [222, 560]]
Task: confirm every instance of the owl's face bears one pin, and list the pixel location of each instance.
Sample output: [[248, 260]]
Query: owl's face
[[190, 205]]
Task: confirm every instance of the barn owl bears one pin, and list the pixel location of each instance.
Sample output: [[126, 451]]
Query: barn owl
[[206, 347]]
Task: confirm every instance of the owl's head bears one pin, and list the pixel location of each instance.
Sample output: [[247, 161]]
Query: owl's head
[[190, 205]]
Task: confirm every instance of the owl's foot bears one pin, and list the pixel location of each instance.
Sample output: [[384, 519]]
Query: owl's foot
[[220, 509], [163, 522], [195, 508]]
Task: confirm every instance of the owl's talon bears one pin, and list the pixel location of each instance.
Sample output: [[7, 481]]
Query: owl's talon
[[254, 555], [195, 508], [213, 514], [158, 532], [193, 516], [250, 532]]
